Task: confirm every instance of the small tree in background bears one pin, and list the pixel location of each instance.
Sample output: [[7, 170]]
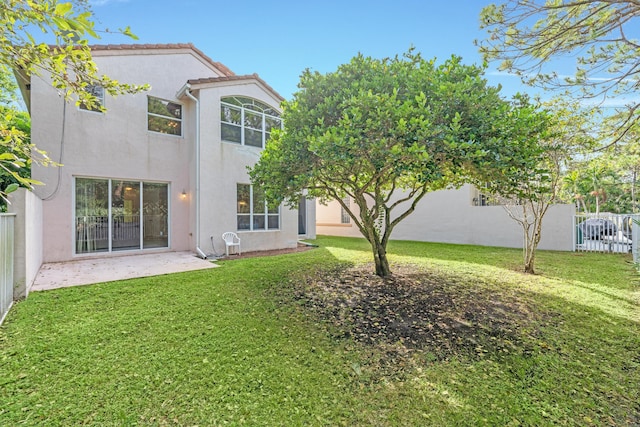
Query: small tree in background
[[562, 133], [387, 132]]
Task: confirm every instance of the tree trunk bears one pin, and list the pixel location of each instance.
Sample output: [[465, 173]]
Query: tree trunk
[[532, 239], [380, 259], [529, 261]]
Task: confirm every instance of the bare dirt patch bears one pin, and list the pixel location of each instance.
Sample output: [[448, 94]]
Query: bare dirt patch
[[418, 311]]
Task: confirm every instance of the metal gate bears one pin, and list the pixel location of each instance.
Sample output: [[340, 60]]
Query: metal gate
[[6, 263], [607, 233]]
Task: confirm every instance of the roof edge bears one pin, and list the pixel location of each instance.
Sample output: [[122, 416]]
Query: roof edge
[[254, 77], [160, 46]]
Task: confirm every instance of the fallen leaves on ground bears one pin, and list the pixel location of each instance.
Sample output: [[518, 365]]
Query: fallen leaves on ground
[[422, 312]]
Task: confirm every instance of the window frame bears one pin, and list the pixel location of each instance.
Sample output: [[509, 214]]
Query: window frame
[[344, 215], [108, 225], [245, 105], [168, 118], [90, 88], [253, 216]]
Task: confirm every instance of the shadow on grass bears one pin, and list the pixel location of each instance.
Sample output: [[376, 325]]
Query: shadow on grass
[[543, 342], [600, 281], [610, 269]]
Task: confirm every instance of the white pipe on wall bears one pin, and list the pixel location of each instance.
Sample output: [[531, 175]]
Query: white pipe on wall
[[186, 90]]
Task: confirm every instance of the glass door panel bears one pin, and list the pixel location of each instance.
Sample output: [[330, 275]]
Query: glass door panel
[[92, 215], [125, 215], [155, 215], [302, 215]]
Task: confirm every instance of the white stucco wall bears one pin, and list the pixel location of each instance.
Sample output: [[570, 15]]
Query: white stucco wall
[[27, 240], [224, 165], [449, 216], [118, 145]]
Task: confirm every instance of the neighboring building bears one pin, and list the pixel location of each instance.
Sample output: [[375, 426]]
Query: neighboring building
[[161, 170], [458, 216]]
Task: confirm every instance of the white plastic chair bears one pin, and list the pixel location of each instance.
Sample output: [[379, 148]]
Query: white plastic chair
[[231, 239]]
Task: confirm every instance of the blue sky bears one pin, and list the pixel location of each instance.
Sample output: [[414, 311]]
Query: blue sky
[[279, 38]]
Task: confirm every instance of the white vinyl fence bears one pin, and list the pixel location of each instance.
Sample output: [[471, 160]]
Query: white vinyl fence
[[6, 263], [607, 233]]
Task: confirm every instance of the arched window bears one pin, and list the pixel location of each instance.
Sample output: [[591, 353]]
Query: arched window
[[247, 121]]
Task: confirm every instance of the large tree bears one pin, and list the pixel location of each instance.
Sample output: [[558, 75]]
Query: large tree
[[528, 36], [385, 133], [65, 56]]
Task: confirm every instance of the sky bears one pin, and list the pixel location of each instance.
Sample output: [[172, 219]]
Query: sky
[[278, 39]]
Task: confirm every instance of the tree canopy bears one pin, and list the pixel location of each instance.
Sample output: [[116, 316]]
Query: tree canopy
[[385, 133], [526, 36]]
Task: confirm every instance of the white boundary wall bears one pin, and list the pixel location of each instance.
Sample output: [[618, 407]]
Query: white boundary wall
[[28, 240], [449, 216], [6, 263]]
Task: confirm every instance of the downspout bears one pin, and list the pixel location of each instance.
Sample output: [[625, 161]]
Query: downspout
[[186, 89]]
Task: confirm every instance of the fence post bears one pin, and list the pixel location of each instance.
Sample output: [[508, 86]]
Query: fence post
[[635, 238], [6, 263]]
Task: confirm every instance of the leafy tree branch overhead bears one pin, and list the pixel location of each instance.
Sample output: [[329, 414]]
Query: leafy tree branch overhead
[[527, 36], [67, 61], [386, 132]]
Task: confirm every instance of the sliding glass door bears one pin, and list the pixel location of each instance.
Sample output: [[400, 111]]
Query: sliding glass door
[[125, 215], [115, 215], [92, 215], [156, 211]]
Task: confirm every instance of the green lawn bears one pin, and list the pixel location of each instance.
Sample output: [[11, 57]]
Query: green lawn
[[233, 346]]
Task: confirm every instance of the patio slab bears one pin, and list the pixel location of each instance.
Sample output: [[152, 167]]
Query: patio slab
[[98, 270]]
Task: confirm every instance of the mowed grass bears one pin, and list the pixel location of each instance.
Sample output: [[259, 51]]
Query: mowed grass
[[227, 346]]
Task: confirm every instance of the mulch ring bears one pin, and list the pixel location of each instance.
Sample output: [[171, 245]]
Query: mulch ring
[[421, 312], [253, 254]]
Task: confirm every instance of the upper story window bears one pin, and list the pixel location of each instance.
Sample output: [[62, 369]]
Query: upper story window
[[164, 116], [98, 92], [247, 121]]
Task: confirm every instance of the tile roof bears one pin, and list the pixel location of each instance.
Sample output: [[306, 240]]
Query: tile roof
[[220, 66], [253, 76]]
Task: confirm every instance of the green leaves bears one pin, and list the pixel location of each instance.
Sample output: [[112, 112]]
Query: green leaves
[[11, 188], [386, 132], [63, 9], [529, 38], [68, 63]]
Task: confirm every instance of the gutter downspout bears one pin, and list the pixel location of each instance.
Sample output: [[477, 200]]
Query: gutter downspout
[[186, 90]]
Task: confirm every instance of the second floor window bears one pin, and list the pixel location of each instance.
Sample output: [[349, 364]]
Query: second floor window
[[247, 121], [98, 92], [164, 116]]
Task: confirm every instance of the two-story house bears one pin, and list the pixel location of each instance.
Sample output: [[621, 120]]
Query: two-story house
[[161, 170]]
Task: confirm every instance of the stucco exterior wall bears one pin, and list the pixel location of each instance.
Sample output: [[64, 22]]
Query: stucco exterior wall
[[118, 145], [224, 165], [449, 216], [28, 229]]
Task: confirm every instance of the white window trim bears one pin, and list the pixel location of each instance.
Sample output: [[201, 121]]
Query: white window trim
[[344, 216], [251, 214], [110, 250], [242, 125], [166, 117]]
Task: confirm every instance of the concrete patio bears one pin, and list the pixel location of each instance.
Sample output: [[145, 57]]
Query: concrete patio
[[98, 270]]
